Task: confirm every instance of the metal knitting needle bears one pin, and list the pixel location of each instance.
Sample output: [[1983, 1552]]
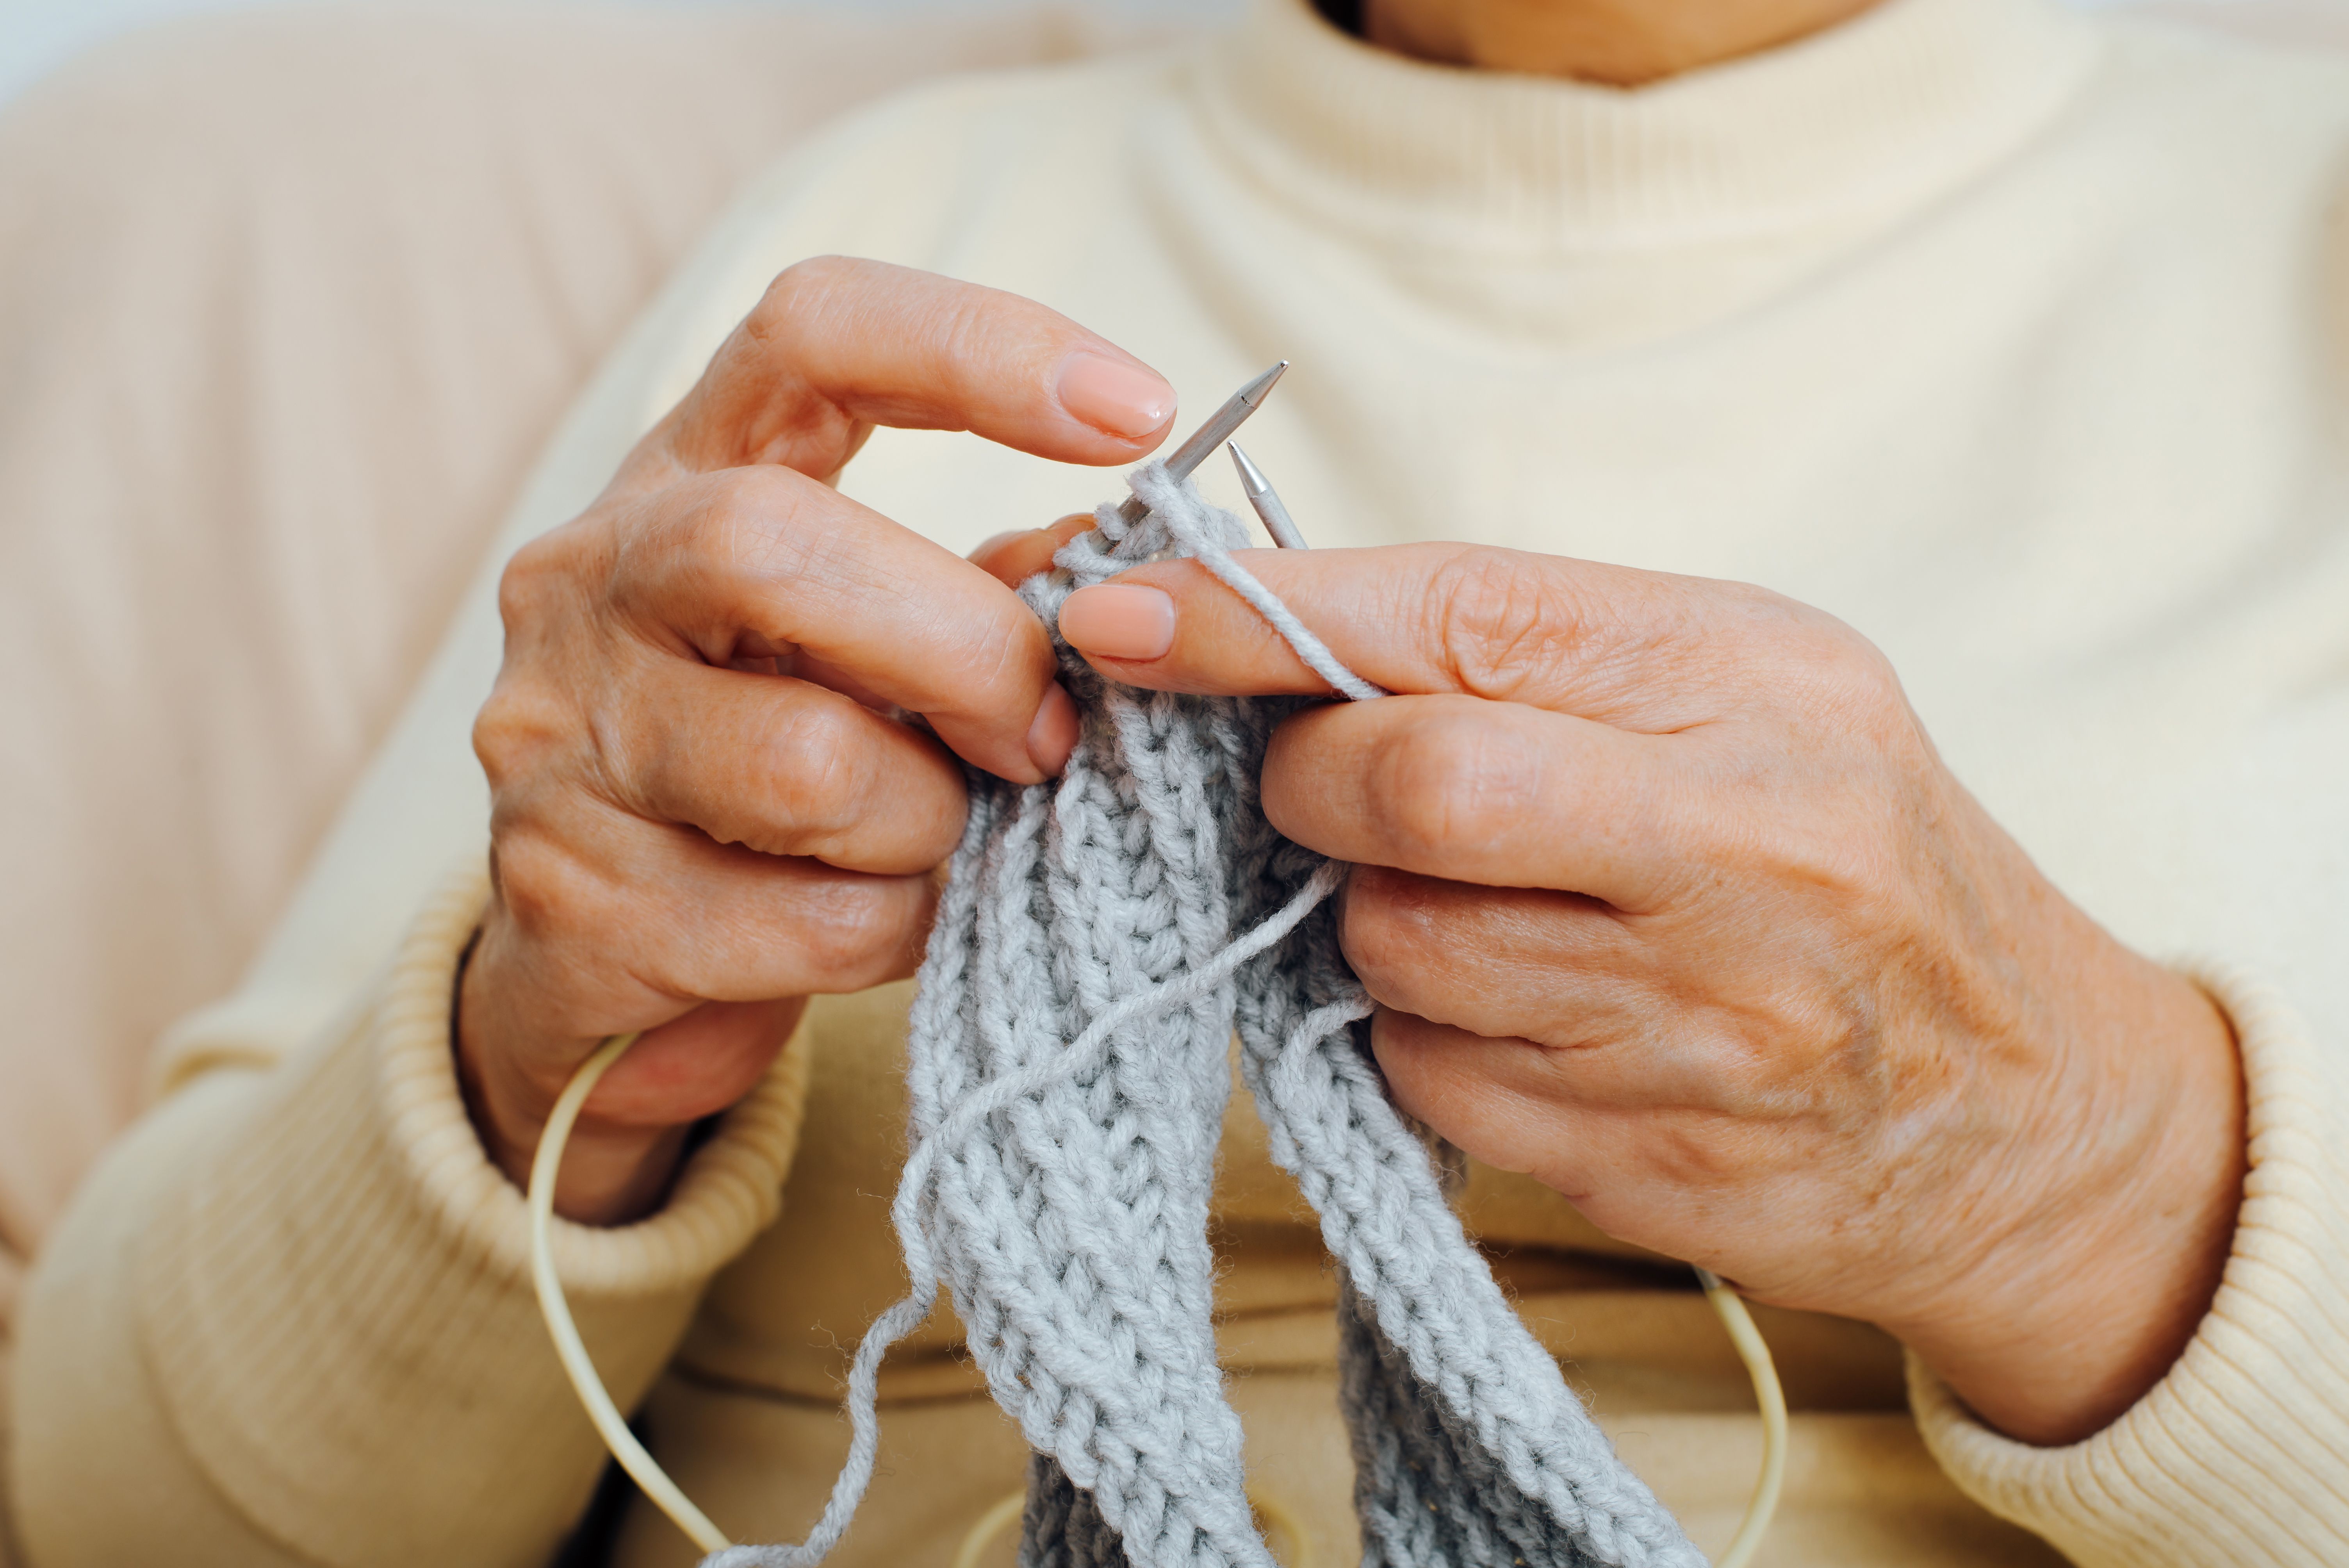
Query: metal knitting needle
[[1211, 435], [1287, 534], [1266, 502]]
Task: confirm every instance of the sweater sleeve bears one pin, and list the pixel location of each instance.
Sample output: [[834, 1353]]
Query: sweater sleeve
[[2235, 1458], [265, 1333]]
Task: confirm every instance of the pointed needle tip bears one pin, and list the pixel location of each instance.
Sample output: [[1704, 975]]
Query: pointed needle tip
[[1253, 393], [1252, 479]]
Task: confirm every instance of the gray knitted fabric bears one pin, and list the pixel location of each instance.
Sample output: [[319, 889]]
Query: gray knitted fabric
[[1098, 940]]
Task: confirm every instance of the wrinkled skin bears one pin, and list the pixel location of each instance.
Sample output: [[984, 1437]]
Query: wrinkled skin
[[705, 804], [1668, 901], [1665, 893]]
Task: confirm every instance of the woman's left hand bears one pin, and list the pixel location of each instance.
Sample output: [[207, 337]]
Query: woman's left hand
[[1667, 899]]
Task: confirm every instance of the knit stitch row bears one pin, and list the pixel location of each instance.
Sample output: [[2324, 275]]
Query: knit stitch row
[[1099, 941]]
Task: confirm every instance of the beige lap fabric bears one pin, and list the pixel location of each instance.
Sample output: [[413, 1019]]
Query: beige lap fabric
[[288, 302]]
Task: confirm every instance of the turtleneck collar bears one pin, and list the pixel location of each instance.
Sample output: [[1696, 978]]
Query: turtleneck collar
[[1891, 106]]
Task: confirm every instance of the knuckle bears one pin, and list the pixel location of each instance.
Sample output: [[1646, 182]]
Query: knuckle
[[764, 398], [1003, 657], [725, 541], [818, 760], [1388, 932], [1499, 617], [808, 303], [851, 927], [516, 730], [532, 582], [1846, 679], [1456, 780], [550, 898], [754, 522], [796, 292]]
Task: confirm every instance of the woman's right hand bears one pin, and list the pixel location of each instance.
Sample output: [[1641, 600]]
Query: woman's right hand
[[706, 805]]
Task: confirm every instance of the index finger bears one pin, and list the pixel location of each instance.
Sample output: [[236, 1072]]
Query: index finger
[[1574, 636], [775, 554], [839, 344]]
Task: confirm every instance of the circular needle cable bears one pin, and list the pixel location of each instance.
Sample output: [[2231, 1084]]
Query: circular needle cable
[[1755, 1354], [613, 1427]]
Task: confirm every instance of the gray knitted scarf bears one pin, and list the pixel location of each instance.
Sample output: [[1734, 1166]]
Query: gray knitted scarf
[[1100, 939]]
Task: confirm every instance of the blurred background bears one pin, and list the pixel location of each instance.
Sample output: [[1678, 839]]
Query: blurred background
[[38, 35]]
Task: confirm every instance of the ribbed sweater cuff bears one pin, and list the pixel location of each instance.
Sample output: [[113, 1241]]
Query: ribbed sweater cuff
[[2237, 1455], [335, 1300]]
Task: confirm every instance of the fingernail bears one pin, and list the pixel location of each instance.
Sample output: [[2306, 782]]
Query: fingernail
[[1052, 735], [1122, 399], [1119, 621]]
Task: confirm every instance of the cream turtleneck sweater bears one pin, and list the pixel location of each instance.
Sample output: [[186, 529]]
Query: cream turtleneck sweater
[[2014, 338]]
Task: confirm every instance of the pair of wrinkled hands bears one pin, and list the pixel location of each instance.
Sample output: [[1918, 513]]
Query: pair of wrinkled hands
[[1664, 894]]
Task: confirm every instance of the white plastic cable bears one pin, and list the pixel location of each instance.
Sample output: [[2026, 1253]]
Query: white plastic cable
[[1755, 1354], [670, 1499], [667, 1495]]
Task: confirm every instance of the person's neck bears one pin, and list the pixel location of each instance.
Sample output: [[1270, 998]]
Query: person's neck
[[1620, 42]]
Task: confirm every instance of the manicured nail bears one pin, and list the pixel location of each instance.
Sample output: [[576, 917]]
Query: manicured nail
[[1119, 621], [1122, 399], [1053, 733]]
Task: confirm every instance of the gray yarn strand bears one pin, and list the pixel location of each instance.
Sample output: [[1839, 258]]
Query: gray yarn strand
[[1099, 941]]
